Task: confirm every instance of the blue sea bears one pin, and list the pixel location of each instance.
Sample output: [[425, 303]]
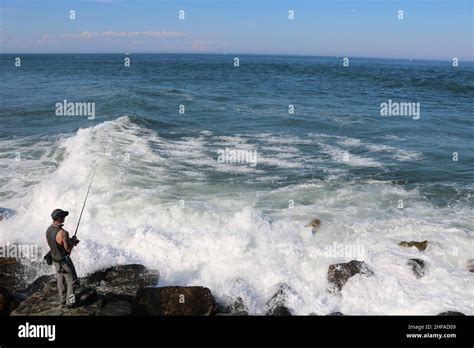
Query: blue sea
[[163, 197]]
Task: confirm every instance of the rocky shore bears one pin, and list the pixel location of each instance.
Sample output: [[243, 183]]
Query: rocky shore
[[134, 290]]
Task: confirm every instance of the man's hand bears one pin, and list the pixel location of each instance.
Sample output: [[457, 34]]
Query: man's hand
[[74, 240]]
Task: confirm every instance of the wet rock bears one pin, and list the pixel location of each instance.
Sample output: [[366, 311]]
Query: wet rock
[[335, 314], [174, 300], [239, 314], [6, 214], [85, 296], [417, 266], [421, 246], [120, 308], [41, 302], [7, 261], [238, 307], [315, 225], [123, 279], [105, 292], [6, 301], [450, 313], [88, 303], [276, 306], [46, 302], [39, 284], [400, 182], [339, 274], [114, 304], [470, 265], [11, 274]]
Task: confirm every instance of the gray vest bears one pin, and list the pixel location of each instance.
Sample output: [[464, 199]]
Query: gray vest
[[58, 252]]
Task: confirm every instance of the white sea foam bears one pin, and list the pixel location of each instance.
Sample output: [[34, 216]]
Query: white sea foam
[[398, 154], [346, 157], [350, 142], [238, 241]]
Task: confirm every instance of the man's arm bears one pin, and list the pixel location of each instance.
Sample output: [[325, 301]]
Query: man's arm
[[66, 241]]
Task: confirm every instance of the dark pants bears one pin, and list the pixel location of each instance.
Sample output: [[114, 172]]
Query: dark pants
[[67, 279]]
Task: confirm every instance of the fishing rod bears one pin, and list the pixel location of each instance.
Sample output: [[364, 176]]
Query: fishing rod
[[85, 200]]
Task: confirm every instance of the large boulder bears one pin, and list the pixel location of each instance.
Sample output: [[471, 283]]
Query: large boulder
[[339, 274], [277, 305], [88, 303], [122, 279], [174, 300], [46, 302], [417, 266], [421, 246], [106, 292]]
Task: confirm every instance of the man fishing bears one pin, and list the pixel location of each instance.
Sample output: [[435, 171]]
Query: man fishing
[[61, 246]]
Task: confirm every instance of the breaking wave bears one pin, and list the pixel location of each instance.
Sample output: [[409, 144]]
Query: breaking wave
[[168, 204]]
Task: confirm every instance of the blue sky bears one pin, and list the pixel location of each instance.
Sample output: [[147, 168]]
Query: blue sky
[[435, 29]]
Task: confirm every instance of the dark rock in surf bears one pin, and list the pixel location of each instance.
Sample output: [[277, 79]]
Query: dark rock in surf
[[339, 274], [174, 300], [6, 214], [470, 265], [421, 246], [450, 313], [6, 301], [276, 306], [335, 314], [12, 279], [418, 267], [315, 224], [123, 279], [238, 307], [11, 274]]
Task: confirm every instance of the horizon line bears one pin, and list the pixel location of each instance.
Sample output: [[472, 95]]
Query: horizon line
[[234, 53]]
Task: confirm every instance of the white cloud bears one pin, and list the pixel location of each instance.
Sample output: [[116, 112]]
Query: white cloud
[[85, 35]]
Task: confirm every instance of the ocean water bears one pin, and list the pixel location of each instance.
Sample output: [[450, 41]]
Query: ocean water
[[161, 197]]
